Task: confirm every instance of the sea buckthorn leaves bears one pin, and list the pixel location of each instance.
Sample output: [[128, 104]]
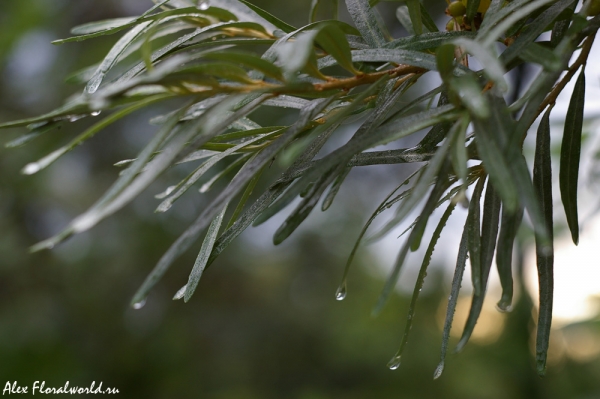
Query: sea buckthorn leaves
[[365, 20], [420, 281], [212, 71], [542, 179], [284, 26], [569, 156], [509, 226], [453, 298], [489, 231]]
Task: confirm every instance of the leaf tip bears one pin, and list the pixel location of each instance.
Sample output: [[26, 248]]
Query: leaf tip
[[438, 371]]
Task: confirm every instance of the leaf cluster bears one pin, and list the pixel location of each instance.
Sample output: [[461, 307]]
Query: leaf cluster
[[227, 60]]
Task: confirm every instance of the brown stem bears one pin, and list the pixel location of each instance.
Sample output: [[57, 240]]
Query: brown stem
[[558, 88]]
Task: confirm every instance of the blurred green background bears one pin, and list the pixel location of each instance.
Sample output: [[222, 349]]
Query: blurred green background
[[264, 322]]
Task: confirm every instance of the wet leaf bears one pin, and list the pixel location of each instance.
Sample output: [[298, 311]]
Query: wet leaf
[[570, 151], [421, 277], [366, 22], [453, 298], [489, 232], [202, 259], [542, 180], [509, 226], [474, 235]]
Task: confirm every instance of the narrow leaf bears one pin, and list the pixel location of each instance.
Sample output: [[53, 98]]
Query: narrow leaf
[[489, 232], [113, 55], [403, 17], [453, 299], [474, 236], [331, 39], [202, 259], [509, 226], [427, 20], [542, 180], [420, 282], [570, 151], [415, 235], [414, 12], [312, 14], [284, 26], [366, 22], [472, 6]]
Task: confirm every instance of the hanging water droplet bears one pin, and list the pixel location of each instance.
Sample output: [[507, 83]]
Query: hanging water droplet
[[394, 363], [503, 307], [341, 292], [96, 113], [438, 371], [31, 168], [203, 5], [140, 304], [204, 188]]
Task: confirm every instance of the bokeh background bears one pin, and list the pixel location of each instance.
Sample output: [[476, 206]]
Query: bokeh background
[[264, 322]]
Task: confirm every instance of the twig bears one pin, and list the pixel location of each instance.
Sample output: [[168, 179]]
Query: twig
[[558, 88]]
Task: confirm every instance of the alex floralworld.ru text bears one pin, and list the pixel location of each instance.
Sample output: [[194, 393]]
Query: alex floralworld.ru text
[[39, 387]]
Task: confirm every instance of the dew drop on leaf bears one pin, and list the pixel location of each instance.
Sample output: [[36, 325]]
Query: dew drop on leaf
[[340, 294], [139, 305], [31, 168], [438, 371], [394, 363], [73, 118]]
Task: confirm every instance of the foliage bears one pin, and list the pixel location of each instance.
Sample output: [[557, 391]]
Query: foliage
[[217, 64]]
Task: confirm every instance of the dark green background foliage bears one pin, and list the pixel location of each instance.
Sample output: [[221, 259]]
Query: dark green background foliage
[[263, 322]]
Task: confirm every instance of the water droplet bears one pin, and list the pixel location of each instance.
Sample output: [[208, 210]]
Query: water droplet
[[394, 363], [204, 188], [503, 307], [341, 292], [124, 162], [547, 250], [31, 168], [73, 118], [203, 5], [96, 113], [438, 371], [140, 304], [164, 206]]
